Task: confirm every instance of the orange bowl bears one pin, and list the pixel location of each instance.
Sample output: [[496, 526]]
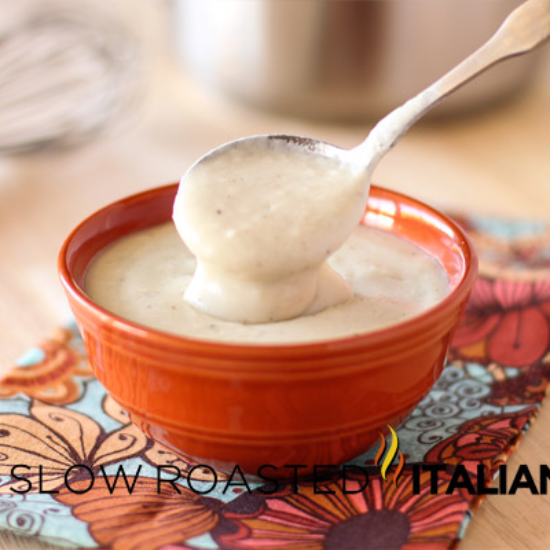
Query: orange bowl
[[309, 404]]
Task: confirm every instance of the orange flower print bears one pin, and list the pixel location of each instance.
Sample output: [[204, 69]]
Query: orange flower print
[[50, 375], [146, 519], [381, 516], [480, 441], [156, 454], [52, 439], [505, 322]]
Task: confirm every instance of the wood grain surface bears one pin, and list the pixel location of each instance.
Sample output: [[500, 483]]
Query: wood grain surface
[[495, 162]]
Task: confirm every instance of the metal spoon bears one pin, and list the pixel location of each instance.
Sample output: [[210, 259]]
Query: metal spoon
[[527, 27], [263, 214]]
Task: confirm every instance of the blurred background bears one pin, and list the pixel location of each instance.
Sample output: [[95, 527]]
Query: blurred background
[[99, 100], [343, 60]]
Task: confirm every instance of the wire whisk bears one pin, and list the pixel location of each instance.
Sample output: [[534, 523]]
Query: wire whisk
[[63, 76]]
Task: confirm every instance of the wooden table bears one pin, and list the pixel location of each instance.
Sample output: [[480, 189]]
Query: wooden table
[[494, 162]]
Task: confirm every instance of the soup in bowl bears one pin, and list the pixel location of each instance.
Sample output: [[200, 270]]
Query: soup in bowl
[[317, 396]]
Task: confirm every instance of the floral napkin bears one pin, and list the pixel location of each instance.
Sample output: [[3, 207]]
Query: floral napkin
[[71, 444]]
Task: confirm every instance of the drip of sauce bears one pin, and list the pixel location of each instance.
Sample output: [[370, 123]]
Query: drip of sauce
[[262, 220]]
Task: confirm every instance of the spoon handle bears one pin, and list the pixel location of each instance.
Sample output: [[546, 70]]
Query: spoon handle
[[527, 27]]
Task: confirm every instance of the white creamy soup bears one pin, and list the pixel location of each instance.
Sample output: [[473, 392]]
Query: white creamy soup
[[143, 277]]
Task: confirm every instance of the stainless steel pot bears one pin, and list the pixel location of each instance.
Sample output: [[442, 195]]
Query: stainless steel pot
[[348, 60]]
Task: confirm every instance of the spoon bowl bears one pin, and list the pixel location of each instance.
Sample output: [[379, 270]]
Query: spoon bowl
[[260, 234]]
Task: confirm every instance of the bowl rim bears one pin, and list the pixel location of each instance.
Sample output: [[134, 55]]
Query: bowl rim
[[294, 349]]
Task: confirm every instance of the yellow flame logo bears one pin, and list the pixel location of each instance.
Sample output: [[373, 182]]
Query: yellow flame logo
[[390, 456]]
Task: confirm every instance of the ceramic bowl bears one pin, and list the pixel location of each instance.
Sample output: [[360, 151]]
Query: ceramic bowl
[[222, 404]]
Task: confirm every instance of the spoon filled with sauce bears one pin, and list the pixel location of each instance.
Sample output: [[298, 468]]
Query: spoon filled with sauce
[[262, 214]]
